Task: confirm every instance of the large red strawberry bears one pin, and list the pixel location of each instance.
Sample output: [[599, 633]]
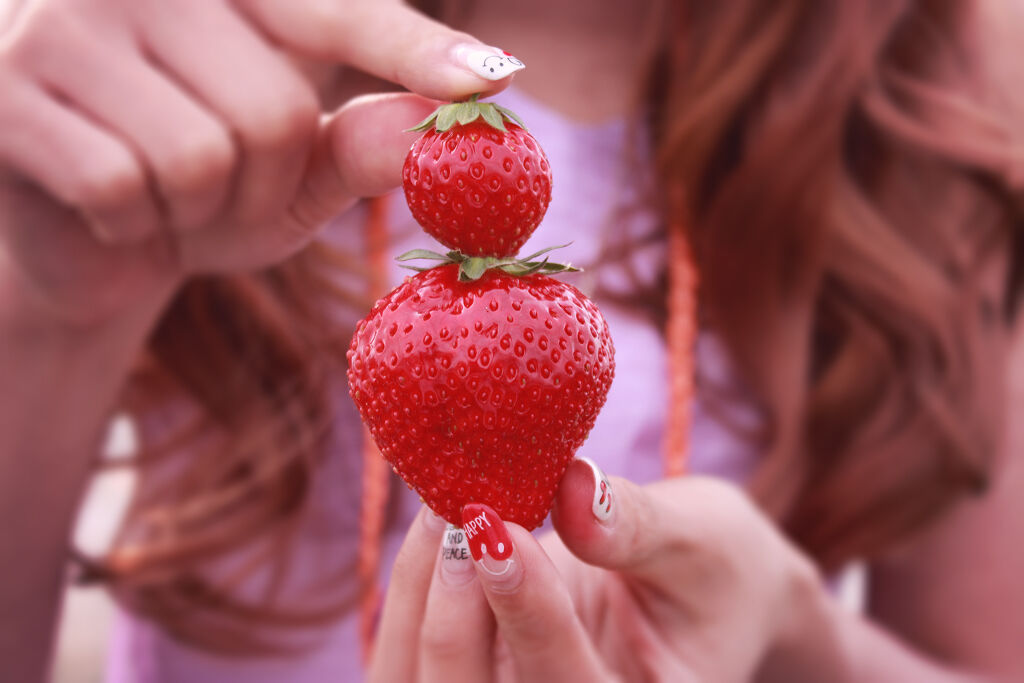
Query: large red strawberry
[[481, 391], [477, 181]]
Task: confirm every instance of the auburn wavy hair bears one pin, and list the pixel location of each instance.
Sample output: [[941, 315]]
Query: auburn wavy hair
[[846, 176]]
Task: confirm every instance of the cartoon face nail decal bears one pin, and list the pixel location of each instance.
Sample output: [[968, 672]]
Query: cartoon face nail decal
[[488, 62], [499, 66], [485, 533], [602, 505]]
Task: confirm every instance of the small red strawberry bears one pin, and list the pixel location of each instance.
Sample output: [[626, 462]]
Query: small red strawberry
[[481, 391], [477, 181]]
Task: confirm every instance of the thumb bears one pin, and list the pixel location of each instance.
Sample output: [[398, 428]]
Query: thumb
[[643, 531], [359, 153], [389, 40]]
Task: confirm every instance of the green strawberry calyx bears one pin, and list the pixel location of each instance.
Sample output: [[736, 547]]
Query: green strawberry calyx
[[447, 115], [473, 267]]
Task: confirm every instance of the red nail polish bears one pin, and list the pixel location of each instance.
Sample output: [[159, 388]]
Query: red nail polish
[[485, 532]]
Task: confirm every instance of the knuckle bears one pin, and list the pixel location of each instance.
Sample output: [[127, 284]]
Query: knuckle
[[310, 211], [202, 162], [333, 21], [6, 65], [31, 43], [533, 628], [12, 98], [440, 644], [282, 121], [21, 52], [326, 14], [108, 186]]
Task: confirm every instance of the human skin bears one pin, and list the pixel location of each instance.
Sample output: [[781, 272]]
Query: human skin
[[690, 581], [123, 172], [82, 281], [686, 581]]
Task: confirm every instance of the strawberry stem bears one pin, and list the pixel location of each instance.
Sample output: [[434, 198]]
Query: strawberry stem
[[473, 267], [462, 113]]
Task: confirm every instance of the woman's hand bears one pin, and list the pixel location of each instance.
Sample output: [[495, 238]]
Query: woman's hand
[[681, 580], [143, 140]]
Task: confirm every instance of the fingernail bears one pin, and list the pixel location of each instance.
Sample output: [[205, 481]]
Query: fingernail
[[456, 565], [602, 503], [490, 544], [487, 62]]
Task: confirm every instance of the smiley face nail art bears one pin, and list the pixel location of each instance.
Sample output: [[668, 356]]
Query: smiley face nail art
[[485, 533], [488, 62]]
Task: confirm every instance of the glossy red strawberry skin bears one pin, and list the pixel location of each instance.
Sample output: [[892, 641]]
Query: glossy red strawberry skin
[[481, 392], [477, 189]]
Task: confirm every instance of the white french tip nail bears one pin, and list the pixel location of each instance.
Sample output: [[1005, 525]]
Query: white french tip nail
[[602, 504], [487, 62]]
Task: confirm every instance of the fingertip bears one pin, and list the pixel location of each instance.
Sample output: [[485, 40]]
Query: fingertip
[[397, 101], [460, 86], [535, 613], [455, 70], [428, 57], [528, 553], [584, 511], [489, 69], [571, 508], [359, 153], [516, 583], [504, 554], [431, 521], [450, 82], [369, 139], [390, 40], [525, 543], [603, 521]]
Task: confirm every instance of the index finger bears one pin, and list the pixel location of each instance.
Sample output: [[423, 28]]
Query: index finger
[[530, 601], [389, 40]]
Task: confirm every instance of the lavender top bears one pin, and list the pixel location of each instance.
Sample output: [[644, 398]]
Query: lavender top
[[599, 181]]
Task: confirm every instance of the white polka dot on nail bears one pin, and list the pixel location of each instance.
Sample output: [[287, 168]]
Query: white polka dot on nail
[[483, 547], [501, 548]]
